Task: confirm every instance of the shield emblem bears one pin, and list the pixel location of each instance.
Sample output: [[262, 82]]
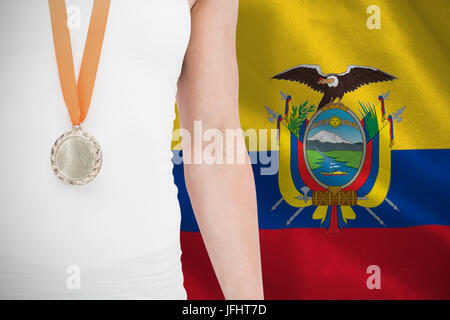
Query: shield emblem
[[342, 159]]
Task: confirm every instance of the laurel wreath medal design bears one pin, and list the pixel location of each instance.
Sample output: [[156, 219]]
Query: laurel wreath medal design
[[76, 157]]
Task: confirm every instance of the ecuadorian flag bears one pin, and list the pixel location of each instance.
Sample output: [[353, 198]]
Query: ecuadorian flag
[[387, 235]]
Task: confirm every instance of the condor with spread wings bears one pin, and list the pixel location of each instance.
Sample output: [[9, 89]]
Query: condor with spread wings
[[334, 85]]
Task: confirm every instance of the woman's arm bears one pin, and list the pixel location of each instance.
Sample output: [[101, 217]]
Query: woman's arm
[[222, 195]]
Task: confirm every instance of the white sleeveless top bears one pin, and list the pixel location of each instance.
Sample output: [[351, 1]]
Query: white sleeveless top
[[118, 236]]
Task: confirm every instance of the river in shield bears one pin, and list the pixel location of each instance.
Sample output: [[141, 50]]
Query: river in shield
[[328, 166]]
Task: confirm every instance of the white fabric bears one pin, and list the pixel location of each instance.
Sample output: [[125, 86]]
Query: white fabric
[[130, 211]]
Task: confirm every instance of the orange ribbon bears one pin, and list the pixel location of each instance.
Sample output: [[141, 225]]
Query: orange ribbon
[[78, 95]]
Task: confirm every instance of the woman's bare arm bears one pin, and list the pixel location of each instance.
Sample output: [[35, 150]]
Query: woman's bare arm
[[222, 195]]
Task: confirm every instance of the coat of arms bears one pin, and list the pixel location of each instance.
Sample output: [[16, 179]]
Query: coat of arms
[[336, 159]]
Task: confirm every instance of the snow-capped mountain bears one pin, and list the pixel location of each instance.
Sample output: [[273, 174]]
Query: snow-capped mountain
[[326, 136]]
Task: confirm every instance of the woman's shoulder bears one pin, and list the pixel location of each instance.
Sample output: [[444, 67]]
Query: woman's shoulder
[[192, 3]]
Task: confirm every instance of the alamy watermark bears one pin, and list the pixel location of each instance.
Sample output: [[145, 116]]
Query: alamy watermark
[[374, 280], [214, 146], [73, 17], [73, 281], [374, 20]]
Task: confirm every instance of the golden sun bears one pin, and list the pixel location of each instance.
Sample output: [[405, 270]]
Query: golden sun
[[334, 122]]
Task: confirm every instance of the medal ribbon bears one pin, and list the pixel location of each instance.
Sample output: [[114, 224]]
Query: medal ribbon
[[77, 96]]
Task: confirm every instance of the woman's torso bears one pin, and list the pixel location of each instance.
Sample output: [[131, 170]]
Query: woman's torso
[[130, 211]]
